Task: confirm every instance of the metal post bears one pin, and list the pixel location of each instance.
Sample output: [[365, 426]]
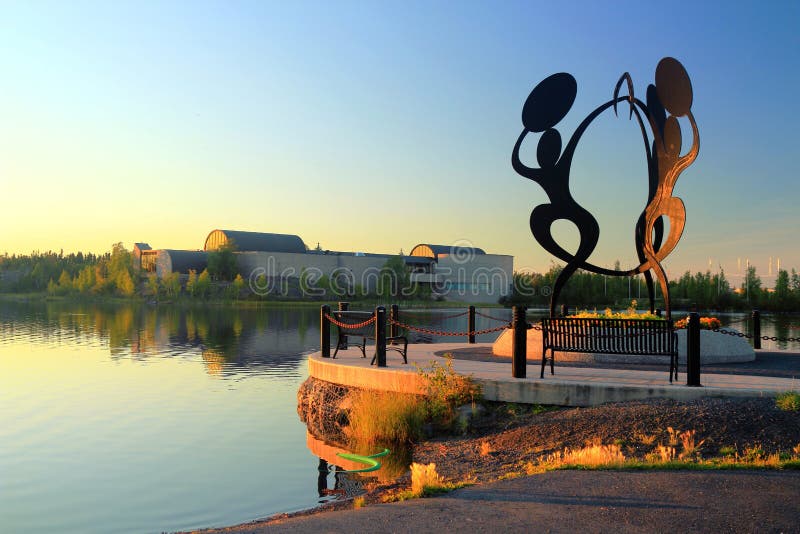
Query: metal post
[[394, 315], [756, 329], [693, 350], [324, 331], [519, 342], [471, 325], [380, 336], [564, 310], [343, 306]]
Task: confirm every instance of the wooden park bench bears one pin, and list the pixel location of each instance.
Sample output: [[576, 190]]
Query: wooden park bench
[[609, 336], [362, 334]]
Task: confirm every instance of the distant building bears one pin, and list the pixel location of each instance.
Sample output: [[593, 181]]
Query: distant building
[[140, 249], [180, 261], [273, 260], [254, 242]]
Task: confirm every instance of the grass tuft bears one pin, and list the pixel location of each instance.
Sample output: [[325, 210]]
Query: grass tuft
[[590, 456], [385, 417], [788, 401]]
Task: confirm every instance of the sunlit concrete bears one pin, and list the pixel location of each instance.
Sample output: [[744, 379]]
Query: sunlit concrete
[[571, 386]]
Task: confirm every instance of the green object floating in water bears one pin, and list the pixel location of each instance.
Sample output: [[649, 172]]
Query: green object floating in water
[[370, 461]]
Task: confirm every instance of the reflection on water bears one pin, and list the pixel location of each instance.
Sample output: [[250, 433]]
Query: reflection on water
[[230, 342], [132, 418]]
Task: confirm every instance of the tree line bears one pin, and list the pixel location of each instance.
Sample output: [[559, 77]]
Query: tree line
[[113, 273], [704, 290]]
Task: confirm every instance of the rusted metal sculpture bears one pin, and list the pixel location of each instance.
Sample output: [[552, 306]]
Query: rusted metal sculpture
[[668, 99]]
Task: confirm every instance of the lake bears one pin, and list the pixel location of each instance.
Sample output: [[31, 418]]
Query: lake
[[137, 418]]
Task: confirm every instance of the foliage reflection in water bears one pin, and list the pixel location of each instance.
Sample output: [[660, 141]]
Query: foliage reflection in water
[[134, 418]]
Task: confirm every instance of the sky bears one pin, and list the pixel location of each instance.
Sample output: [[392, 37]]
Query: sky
[[374, 126]]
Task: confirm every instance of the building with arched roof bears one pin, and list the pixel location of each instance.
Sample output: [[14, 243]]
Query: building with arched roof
[[425, 250], [180, 261], [271, 262], [254, 241]]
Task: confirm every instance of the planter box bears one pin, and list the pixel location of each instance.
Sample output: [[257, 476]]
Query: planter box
[[714, 348]]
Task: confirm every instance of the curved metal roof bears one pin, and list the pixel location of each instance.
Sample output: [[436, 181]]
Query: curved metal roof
[[184, 260], [433, 251], [255, 241]]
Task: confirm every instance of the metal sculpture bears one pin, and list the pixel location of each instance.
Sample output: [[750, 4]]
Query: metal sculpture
[[546, 106]]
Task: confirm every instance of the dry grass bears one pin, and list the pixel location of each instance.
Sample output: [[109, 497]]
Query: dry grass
[[673, 436], [646, 439], [385, 417], [590, 456], [359, 502], [690, 446], [424, 477]]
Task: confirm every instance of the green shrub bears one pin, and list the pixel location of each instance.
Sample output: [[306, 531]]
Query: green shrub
[[788, 401], [446, 391]]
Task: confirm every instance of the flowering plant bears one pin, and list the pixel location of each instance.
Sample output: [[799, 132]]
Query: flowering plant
[[630, 313], [706, 323]]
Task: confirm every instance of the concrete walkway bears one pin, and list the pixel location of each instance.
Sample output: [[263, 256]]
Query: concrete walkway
[[582, 501], [570, 386]]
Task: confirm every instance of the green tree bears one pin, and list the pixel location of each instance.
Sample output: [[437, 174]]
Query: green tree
[[394, 279], [222, 263], [782, 294], [171, 284], [203, 284], [191, 283], [64, 283], [125, 284], [85, 280], [752, 286], [152, 284], [236, 287]]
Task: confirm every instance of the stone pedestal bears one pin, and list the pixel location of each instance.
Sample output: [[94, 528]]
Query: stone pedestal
[[714, 348]]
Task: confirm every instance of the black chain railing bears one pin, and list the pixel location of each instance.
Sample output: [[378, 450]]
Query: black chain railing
[[734, 333], [443, 333], [350, 326]]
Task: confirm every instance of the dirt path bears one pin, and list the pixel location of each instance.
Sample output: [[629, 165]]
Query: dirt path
[[582, 501]]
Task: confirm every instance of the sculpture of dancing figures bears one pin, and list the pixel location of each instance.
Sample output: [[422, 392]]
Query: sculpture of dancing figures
[[673, 92], [546, 106]]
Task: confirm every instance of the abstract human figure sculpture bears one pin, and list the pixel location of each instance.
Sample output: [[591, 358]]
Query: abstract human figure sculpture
[[546, 106]]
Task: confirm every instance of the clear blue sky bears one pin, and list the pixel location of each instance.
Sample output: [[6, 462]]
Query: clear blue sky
[[376, 126]]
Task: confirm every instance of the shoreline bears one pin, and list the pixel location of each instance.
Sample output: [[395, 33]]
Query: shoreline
[[509, 439]]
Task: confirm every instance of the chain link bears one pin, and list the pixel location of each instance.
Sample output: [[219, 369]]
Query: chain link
[[448, 334], [750, 336], [351, 326]]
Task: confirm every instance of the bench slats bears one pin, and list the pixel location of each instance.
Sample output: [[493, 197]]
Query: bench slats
[[609, 336]]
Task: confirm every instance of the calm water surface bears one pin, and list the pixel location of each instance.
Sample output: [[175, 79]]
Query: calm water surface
[[128, 418]]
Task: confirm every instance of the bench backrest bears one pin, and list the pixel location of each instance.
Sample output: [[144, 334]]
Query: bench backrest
[[611, 336], [354, 317]]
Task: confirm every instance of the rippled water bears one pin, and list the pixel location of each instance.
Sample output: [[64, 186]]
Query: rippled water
[[136, 419], [132, 418]]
